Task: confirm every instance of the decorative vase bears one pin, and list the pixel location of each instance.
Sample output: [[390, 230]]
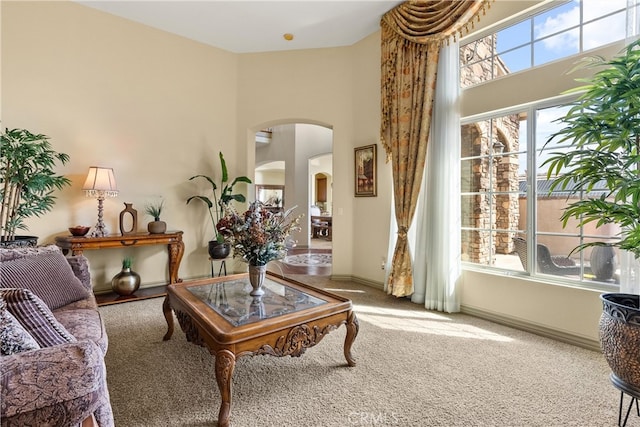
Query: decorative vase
[[256, 278], [219, 250], [256, 308], [603, 263], [157, 227], [128, 210], [126, 282], [620, 337]]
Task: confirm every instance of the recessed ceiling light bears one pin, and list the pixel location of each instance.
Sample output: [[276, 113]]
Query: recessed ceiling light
[[288, 37]]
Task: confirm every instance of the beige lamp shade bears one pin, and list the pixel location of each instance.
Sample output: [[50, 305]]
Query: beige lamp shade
[[100, 182]]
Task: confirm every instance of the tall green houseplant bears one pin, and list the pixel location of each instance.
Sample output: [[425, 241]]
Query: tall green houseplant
[[216, 203], [27, 179], [602, 128]]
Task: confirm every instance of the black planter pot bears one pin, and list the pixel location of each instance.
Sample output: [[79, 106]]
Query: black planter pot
[[219, 250], [20, 242], [620, 337]]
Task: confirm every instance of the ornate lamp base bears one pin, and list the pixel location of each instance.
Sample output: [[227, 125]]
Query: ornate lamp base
[[100, 230]]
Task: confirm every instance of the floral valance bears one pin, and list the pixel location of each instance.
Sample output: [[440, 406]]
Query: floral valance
[[413, 28], [433, 21]]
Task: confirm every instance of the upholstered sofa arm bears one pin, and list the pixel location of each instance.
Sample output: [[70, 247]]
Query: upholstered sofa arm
[[60, 382], [80, 266]]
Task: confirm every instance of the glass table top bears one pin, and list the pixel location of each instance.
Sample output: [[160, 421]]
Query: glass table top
[[231, 300]]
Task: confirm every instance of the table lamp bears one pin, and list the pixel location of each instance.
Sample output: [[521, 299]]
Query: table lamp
[[100, 183]]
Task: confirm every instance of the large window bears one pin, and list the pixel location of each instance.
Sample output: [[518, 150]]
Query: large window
[[511, 219], [557, 32], [508, 208], [492, 164]]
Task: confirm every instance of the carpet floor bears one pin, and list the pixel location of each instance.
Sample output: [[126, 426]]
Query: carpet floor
[[414, 368]]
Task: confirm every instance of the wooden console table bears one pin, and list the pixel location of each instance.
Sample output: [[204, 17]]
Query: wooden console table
[[173, 240]]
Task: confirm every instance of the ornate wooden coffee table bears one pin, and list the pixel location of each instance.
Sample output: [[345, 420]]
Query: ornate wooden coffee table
[[289, 318]]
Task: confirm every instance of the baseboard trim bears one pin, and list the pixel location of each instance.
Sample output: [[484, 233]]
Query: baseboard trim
[[568, 338], [359, 280], [512, 322]]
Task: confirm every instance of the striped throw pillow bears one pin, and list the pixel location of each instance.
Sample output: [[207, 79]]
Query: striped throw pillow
[[48, 275], [14, 338], [35, 317]]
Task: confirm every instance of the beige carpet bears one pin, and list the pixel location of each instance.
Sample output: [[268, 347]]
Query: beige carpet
[[414, 368]]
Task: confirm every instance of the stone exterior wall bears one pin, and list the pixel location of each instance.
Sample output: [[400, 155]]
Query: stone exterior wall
[[494, 170]]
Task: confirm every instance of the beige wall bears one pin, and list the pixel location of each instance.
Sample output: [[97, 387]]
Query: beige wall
[[563, 312], [155, 107], [319, 86], [269, 177]]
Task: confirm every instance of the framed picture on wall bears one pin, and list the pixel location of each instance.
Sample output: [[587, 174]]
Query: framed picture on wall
[[271, 195], [366, 179]]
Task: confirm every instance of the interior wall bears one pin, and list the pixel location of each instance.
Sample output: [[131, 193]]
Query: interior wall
[[311, 141], [312, 87], [321, 166], [563, 312], [109, 92], [516, 89], [371, 215], [271, 177], [281, 148], [297, 142]]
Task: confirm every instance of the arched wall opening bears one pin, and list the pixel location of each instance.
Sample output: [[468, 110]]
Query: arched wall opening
[[292, 144]]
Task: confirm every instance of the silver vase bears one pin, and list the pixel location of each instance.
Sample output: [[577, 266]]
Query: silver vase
[[256, 278], [126, 282]]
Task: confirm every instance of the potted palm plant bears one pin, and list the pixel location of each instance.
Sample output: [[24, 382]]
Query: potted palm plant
[[27, 182], [603, 130], [215, 204]]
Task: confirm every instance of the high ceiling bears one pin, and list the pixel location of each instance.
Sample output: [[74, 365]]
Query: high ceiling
[[257, 26]]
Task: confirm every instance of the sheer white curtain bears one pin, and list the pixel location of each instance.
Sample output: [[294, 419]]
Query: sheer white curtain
[[437, 247]]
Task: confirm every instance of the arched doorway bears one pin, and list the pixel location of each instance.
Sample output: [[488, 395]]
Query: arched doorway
[[297, 147]]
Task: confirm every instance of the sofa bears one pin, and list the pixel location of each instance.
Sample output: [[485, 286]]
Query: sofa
[[53, 342]]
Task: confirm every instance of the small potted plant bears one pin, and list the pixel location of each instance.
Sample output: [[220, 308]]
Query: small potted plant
[[154, 210], [218, 248], [27, 182]]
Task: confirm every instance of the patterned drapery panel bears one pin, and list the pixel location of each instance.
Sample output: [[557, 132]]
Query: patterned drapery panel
[[412, 34]]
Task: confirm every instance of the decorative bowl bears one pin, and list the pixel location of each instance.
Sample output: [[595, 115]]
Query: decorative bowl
[[79, 230]]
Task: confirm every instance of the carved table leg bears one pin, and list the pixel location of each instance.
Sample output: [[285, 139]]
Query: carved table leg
[[352, 331], [225, 363], [176, 250], [168, 315]]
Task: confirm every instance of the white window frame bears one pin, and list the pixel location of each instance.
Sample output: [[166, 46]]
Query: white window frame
[[532, 195], [632, 29]]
